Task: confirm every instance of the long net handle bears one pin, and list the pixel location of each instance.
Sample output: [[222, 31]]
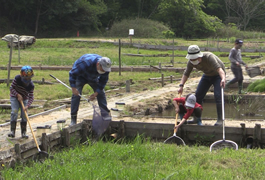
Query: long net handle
[[223, 111], [176, 122], [69, 88], [26, 114]]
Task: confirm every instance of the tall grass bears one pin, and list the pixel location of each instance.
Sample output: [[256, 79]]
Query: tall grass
[[144, 159]]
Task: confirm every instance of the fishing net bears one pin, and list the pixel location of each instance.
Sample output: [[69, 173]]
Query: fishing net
[[222, 144], [174, 140], [101, 120]]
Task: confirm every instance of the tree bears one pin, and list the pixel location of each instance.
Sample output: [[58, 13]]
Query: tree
[[244, 11], [186, 18]]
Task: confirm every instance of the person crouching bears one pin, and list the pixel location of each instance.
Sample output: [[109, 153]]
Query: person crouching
[[187, 107]]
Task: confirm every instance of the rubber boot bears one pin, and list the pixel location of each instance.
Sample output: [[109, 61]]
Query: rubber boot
[[13, 125], [23, 126], [219, 121], [73, 120], [240, 87], [199, 121]]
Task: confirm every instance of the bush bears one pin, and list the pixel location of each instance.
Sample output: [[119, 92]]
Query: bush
[[257, 86], [143, 28]]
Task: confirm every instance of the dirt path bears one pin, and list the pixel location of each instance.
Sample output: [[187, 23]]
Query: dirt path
[[136, 99]]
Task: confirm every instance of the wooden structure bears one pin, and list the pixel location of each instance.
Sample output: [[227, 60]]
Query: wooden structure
[[79, 133]]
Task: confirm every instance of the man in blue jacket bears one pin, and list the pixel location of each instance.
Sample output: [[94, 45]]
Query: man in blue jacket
[[89, 69]]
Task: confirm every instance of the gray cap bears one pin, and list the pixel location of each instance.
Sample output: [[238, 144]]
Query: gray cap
[[191, 101], [105, 63], [194, 52]]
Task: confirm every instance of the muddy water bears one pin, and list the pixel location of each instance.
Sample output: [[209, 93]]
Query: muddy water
[[232, 111]]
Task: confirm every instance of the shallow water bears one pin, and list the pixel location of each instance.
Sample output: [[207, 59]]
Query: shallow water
[[232, 111]]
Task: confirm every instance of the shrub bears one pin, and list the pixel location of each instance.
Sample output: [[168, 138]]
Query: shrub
[[257, 86], [143, 28]]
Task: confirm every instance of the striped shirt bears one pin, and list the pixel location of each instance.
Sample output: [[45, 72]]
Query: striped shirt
[[85, 70], [18, 87]]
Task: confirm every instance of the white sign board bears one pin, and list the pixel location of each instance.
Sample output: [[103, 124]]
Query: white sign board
[[131, 32]]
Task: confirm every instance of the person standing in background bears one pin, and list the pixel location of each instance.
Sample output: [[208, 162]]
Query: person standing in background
[[236, 61]]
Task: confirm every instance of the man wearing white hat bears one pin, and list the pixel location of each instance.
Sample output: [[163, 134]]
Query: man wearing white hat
[[214, 74], [91, 69]]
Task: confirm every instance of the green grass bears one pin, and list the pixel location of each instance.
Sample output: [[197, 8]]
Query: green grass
[[257, 86], [63, 52], [143, 159]]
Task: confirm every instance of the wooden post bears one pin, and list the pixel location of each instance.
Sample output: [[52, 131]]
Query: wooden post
[[243, 127], [173, 54], [130, 40], [150, 69], [171, 79], [42, 81], [18, 151], [122, 129], [218, 44], [119, 57], [159, 67], [257, 134], [127, 85], [45, 142], [162, 79], [18, 50], [84, 132], [131, 69], [9, 64], [66, 137]]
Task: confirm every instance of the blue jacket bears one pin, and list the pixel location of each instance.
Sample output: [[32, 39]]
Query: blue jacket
[[85, 70]]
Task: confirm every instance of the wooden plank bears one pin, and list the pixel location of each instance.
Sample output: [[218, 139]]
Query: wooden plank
[[54, 135], [76, 127], [5, 154], [29, 153]]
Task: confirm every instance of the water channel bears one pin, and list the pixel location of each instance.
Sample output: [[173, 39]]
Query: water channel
[[232, 111]]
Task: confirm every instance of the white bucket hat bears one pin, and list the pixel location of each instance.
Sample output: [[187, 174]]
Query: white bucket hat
[[105, 63], [194, 52], [191, 101]]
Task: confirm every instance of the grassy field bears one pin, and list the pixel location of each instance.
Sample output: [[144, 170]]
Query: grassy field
[[143, 159]]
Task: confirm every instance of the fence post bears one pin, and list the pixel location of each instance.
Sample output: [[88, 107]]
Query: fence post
[[44, 142], [119, 57], [127, 85], [65, 137], [173, 53], [9, 63], [162, 79]]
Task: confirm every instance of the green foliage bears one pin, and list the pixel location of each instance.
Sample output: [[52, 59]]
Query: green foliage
[[143, 159], [168, 34], [257, 86], [143, 28]]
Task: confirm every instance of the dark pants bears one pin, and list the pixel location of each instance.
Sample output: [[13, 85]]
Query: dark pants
[[237, 71], [102, 102], [204, 85]]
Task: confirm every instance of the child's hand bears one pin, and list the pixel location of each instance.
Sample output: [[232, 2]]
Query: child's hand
[[176, 127], [19, 98]]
